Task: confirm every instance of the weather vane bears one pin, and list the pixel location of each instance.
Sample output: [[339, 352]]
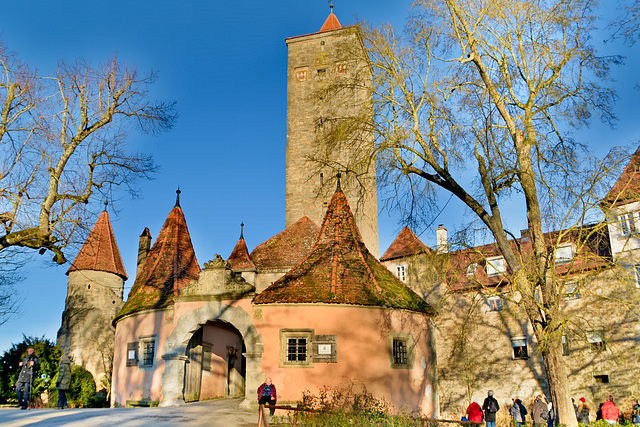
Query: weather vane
[[331, 5]]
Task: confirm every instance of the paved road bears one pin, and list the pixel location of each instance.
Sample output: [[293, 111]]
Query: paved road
[[219, 412]]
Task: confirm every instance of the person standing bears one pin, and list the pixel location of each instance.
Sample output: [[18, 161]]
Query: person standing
[[64, 381], [28, 367], [539, 412], [635, 413], [610, 412], [523, 411], [516, 414], [583, 412], [267, 395], [474, 412], [490, 407]]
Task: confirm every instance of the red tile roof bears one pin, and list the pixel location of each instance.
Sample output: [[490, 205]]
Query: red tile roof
[[287, 248], [239, 258], [170, 266], [627, 188], [340, 270], [330, 24], [100, 251], [406, 244]]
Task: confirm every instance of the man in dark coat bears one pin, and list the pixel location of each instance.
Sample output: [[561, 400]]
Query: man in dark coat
[[490, 407], [28, 369]]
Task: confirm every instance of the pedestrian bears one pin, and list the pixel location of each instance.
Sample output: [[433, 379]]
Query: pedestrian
[[523, 411], [610, 412], [267, 394], [474, 413], [64, 381], [516, 414], [635, 413], [551, 419], [28, 367], [539, 412], [583, 412], [490, 407]]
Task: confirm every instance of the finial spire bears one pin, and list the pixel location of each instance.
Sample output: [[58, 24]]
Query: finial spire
[[242, 230], [105, 205], [331, 5], [178, 198], [338, 187]]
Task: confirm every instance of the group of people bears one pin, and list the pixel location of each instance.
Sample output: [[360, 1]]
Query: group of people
[[29, 367], [542, 412]]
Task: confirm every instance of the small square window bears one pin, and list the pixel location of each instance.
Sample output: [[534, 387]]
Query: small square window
[[495, 303], [564, 253], [496, 266], [571, 290], [401, 272], [520, 348], [596, 339], [132, 354], [401, 350], [471, 269], [601, 379], [295, 347]]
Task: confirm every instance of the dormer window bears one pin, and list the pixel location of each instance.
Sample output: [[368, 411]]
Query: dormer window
[[564, 253], [628, 223], [496, 266], [471, 269]]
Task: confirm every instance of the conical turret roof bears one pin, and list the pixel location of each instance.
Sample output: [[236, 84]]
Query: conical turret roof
[[340, 270], [331, 23], [239, 258], [100, 250], [170, 266], [406, 244]]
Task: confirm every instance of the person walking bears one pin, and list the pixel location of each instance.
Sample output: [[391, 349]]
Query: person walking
[[635, 413], [64, 381], [490, 407], [610, 411], [516, 414], [267, 395], [583, 412], [474, 413], [539, 412], [28, 367]]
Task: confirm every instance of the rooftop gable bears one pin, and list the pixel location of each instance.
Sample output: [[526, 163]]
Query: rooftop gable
[[100, 251], [340, 270], [406, 244], [627, 187]]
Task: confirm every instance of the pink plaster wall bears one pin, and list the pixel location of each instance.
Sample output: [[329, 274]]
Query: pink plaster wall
[[363, 353]]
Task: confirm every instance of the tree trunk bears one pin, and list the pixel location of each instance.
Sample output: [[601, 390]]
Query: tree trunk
[[558, 384]]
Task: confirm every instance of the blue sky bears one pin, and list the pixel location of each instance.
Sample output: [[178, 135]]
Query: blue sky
[[224, 62]]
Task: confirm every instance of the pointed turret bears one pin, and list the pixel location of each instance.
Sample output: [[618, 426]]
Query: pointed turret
[[170, 265], [340, 270], [239, 258], [331, 23], [406, 244], [100, 250]]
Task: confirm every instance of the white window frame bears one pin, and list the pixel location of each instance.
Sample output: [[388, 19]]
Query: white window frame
[[401, 272], [566, 349], [570, 289], [520, 343], [596, 339], [495, 302], [496, 266], [627, 222], [471, 269], [564, 253]]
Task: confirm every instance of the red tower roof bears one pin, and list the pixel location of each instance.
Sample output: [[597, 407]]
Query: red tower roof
[[406, 244], [340, 270], [100, 251], [627, 187], [331, 23], [170, 266], [239, 258]]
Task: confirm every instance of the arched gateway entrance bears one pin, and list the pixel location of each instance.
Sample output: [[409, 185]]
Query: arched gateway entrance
[[236, 354]]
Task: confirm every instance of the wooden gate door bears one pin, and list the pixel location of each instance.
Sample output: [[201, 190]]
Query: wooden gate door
[[193, 369]]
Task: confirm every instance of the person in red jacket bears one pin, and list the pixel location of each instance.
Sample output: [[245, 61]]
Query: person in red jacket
[[610, 412], [267, 394], [474, 412]]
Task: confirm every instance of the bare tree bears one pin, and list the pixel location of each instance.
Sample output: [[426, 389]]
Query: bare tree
[[63, 142], [478, 100]]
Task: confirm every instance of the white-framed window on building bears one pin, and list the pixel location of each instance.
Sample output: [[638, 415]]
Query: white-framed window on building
[[566, 350], [471, 269], [564, 253], [596, 339], [295, 347], [520, 350], [495, 303], [401, 272], [401, 350], [147, 351], [496, 266], [132, 353], [571, 290], [628, 223]]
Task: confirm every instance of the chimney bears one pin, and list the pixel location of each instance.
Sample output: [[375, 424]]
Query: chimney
[[143, 249], [441, 239]]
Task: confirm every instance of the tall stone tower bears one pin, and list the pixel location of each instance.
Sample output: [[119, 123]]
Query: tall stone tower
[[316, 63], [94, 297]]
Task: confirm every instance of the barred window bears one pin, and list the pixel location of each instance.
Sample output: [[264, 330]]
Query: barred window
[[148, 352], [297, 349], [399, 352]]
